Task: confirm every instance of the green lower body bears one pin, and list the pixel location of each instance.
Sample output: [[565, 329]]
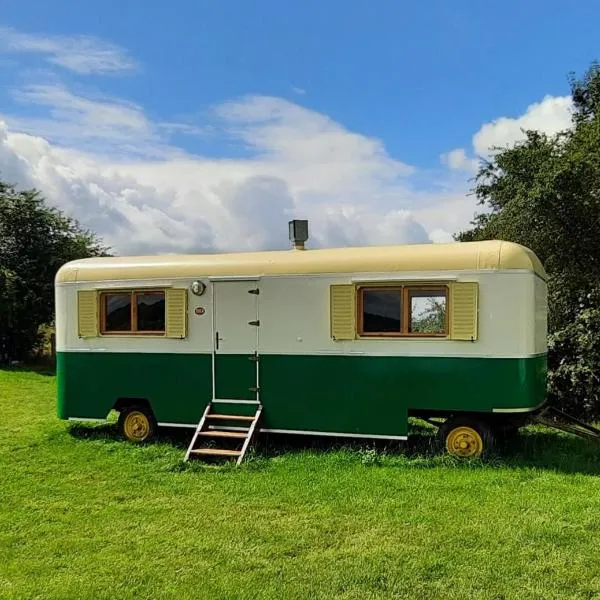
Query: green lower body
[[356, 395]]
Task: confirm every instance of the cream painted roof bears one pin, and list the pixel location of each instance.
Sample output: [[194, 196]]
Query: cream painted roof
[[456, 256]]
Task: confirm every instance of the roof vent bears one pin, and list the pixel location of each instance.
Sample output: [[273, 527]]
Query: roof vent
[[298, 233]]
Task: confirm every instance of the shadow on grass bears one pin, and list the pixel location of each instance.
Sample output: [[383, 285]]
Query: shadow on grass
[[174, 436], [534, 447], [541, 447], [48, 369]]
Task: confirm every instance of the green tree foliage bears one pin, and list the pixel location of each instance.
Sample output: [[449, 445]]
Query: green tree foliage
[[429, 316], [544, 193], [35, 240]]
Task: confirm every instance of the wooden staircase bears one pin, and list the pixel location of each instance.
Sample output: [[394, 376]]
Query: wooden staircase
[[232, 432]]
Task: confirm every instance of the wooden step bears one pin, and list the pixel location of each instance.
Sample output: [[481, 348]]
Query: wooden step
[[216, 452], [224, 434], [230, 417]]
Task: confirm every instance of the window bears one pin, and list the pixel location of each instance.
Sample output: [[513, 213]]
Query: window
[[132, 312], [150, 311], [403, 311], [427, 311], [117, 313], [381, 312]]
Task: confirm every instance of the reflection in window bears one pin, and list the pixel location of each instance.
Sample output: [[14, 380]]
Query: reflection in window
[[150, 311], [381, 311], [117, 313], [133, 312], [427, 311]]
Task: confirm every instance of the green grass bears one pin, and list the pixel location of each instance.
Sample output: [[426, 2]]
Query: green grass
[[86, 516]]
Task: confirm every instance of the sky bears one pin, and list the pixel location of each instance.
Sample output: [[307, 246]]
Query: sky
[[205, 126]]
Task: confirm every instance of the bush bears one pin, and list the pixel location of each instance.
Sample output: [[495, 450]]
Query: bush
[[574, 363]]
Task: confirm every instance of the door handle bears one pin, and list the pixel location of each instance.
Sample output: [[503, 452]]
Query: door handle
[[217, 340]]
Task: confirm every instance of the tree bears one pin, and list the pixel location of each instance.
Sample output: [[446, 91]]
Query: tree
[[544, 193], [428, 315], [35, 240]]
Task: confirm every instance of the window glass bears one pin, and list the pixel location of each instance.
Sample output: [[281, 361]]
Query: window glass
[[117, 313], [381, 310], [427, 311], [150, 311]]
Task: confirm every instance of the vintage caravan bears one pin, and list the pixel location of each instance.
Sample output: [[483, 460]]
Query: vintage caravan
[[338, 342]]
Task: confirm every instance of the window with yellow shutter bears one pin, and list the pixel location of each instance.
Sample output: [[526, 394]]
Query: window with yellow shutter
[[405, 310], [150, 312]]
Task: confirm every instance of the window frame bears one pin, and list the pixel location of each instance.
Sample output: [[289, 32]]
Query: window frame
[[406, 320], [133, 293], [361, 313], [405, 315]]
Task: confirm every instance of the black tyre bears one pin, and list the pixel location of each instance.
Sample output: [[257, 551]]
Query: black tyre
[[137, 423]]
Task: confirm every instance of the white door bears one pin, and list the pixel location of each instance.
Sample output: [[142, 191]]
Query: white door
[[236, 328]]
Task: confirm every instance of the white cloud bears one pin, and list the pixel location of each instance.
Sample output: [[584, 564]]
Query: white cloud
[[300, 164], [101, 125], [119, 173], [315, 149], [458, 159], [82, 54], [107, 164], [551, 115]]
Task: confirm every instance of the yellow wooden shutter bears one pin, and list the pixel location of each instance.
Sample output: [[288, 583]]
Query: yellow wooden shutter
[[463, 310], [343, 312], [176, 313], [87, 313]]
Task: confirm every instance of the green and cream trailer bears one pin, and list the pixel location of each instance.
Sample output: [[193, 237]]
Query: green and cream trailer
[[335, 342]]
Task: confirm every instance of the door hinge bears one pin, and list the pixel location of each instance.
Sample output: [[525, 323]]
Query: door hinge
[[254, 358], [255, 291], [255, 323], [253, 389]]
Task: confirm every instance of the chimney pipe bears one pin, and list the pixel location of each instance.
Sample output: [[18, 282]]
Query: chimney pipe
[[298, 233]]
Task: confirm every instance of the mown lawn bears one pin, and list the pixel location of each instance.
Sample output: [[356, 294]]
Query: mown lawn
[[86, 516]]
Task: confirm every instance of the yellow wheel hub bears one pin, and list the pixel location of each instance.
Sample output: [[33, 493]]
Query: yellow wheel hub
[[464, 442], [136, 426]]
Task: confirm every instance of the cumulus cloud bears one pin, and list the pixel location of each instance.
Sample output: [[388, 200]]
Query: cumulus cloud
[[458, 159], [551, 115], [299, 163], [82, 54], [75, 119], [119, 173]]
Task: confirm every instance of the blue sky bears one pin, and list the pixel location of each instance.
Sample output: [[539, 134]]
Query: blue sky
[[264, 97]]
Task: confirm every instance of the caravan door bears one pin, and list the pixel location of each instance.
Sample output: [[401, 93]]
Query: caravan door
[[236, 328]]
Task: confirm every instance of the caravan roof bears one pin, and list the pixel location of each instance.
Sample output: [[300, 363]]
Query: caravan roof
[[457, 256]]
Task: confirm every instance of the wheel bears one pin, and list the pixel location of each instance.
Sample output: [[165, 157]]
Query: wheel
[[466, 438], [137, 423]]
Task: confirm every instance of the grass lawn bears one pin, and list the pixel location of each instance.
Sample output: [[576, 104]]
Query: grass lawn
[[86, 516]]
